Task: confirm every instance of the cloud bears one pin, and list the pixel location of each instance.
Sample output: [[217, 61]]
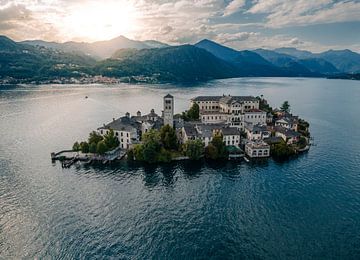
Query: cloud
[[233, 7], [235, 37], [255, 40], [238, 23], [284, 13], [19, 23]]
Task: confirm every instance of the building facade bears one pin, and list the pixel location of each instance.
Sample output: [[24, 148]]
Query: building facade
[[168, 112]]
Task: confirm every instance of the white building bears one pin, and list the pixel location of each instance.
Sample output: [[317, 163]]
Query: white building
[[233, 111], [255, 116], [231, 136], [214, 117], [257, 149], [125, 129], [257, 132]]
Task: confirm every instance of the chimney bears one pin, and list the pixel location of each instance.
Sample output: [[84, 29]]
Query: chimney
[[138, 113], [113, 119]]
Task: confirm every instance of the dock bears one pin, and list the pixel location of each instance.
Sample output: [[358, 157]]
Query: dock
[[70, 157]]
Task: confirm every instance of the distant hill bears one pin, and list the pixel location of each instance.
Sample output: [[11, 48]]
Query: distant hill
[[100, 49], [251, 63], [304, 66], [344, 60], [319, 65], [23, 61], [178, 63], [152, 61], [300, 54]]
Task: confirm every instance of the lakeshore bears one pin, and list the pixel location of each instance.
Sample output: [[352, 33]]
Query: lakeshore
[[214, 127]]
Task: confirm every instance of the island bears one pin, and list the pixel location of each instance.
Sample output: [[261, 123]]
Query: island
[[213, 128]]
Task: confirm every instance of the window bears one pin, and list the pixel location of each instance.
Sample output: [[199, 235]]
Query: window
[[127, 134], [122, 134], [101, 131], [117, 134]]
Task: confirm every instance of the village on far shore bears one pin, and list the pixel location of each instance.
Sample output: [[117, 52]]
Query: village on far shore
[[215, 128]]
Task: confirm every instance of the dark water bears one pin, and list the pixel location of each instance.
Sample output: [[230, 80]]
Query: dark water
[[305, 208]]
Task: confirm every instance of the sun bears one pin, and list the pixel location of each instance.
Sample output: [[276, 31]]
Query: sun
[[100, 20]]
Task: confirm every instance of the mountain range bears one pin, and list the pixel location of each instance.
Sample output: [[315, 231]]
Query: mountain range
[[205, 60], [98, 50]]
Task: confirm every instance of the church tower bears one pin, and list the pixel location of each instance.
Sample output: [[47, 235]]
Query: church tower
[[169, 110]]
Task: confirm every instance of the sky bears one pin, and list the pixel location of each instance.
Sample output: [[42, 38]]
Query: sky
[[314, 25]]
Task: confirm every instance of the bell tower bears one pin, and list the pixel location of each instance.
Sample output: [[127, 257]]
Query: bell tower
[[169, 110]]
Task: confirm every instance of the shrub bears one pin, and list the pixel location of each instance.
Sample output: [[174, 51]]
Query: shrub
[[101, 148], [76, 147], [84, 146], [194, 149]]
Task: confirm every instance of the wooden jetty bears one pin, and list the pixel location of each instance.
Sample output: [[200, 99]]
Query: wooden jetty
[[69, 157]]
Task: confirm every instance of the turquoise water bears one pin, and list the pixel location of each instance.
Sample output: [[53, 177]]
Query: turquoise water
[[305, 208]]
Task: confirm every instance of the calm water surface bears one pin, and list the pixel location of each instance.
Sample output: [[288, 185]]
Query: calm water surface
[[305, 208]]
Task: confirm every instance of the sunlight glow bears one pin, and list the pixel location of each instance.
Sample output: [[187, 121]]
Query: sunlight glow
[[100, 20]]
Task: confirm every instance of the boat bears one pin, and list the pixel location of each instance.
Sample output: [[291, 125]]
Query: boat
[[246, 159]]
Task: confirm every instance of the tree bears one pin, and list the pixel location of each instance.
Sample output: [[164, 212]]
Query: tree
[[94, 137], [151, 146], [101, 148], [92, 148], [76, 147], [164, 155], [150, 152], [285, 107], [193, 112], [218, 142], [131, 155], [84, 147], [153, 137], [168, 137], [138, 152], [302, 142], [111, 140], [282, 151], [211, 152], [194, 149]]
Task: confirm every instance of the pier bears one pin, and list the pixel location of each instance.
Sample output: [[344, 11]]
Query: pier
[[70, 157]]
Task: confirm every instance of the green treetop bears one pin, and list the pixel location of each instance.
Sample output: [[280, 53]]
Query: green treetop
[[285, 107], [194, 149], [111, 140], [168, 137], [193, 113]]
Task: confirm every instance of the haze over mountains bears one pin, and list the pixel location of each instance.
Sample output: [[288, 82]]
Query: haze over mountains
[[122, 57]]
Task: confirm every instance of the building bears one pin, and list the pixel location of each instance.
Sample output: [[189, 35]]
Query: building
[[125, 129], [232, 111], [231, 136], [288, 135], [255, 116], [257, 132], [168, 112], [257, 149], [188, 132], [206, 132], [214, 117]]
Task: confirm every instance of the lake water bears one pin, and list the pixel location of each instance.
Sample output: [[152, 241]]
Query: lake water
[[305, 208]]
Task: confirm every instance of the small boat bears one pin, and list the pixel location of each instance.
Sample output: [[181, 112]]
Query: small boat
[[86, 97], [246, 159]]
